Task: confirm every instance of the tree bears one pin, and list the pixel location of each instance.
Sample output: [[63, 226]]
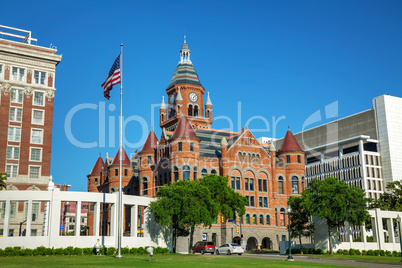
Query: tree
[[184, 205], [390, 200], [3, 177], [336, 202], [229, 202], [300, 224]]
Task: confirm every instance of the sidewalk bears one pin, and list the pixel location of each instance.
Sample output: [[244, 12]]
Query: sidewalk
[[276, 256]]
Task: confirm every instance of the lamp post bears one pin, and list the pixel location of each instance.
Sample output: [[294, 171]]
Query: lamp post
[[290, 258], [399, 232]]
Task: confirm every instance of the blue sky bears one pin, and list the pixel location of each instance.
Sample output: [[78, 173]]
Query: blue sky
[[281, 59]]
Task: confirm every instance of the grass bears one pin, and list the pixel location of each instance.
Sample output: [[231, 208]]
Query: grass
[[169, 260], [355, 258]]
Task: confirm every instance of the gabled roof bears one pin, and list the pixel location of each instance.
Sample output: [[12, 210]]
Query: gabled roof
[[97, 169], [150, 143], [116, 160], [184, 129], [290, 143]]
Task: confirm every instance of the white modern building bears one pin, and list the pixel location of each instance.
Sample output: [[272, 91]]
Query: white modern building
[[363, 149]]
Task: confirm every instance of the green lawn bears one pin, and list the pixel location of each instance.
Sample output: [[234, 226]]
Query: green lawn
[[355, 258], [170, 260]]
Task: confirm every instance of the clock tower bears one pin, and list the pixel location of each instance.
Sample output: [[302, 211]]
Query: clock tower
[[185, 97]]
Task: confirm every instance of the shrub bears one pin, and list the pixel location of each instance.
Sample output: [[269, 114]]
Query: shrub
[[394, 253], [141, 251], [41, 251], [77, 251], [88, 251], [134, 251], [364, 252], [339, 251], [388, 253], [352, 251], [69, 251], [111, 251], [376, 252], [319, 251], [358, 239], [357, 252], [381, 252], [370, 252], [125, 251], [345, 252], [59, 251]]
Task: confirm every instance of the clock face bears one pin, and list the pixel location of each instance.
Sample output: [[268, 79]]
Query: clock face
[[193, 96], [172, 99]]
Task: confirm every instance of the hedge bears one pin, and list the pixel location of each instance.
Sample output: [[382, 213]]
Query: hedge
[[71, 251], [368, 252]]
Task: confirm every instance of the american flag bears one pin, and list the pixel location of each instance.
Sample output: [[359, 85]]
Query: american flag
[[113, 78]]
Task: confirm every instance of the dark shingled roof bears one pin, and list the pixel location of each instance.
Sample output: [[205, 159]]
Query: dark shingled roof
[[150, 143], [116, 160], [290, 143], [97, 169], [185, 74]]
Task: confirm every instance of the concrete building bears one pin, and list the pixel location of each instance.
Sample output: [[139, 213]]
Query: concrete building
[[27, 84], [363, 149], [190, 148]]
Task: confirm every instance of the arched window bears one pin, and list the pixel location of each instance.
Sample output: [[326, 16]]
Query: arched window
[[190, 110], [186, 173], [96, 181], [207, 113], [176, 174], [239, 155], [280, 185], [258, 159], [295, 185], [195, 173], [144, 186], [213, 171], [282, 217], [267, 220], [261, 220], [196, 111], [248, 219], [204, 172], [163, 117], [254, 219]]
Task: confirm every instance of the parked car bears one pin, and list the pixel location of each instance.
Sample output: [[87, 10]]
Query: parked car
[[204, 246], [230, 249]]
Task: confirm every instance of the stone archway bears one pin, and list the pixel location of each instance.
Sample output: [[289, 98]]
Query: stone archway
[[252, 244], [266, 243]]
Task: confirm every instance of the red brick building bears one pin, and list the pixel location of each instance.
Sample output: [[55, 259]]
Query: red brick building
[[189, 148], [27, 90]]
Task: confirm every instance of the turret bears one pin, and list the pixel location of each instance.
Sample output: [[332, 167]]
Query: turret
[[179, 104], [162, 112], [208, 109], [94, 177], [126, 172], [147, 158]]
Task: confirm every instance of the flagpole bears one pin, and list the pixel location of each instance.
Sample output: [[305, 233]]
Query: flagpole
[[120, 214]]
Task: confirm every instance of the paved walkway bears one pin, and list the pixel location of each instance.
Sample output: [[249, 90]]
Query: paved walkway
[[324, 261]]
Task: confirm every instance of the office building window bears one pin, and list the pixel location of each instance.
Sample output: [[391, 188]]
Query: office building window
[[251, 201], [38, 98], [14, 134], [18, 74], [12, 171], [37, 117], [15, 114], [37, 136], [17, 95], [13, 153], [246, 184], [39, 77], [251, 184], [265, 202], [260, 201], [233, 184]]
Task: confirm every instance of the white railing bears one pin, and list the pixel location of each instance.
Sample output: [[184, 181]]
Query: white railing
[[50, 220]]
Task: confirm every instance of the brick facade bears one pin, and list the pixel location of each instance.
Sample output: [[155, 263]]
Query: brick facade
[[26, 113], [189, 148]]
